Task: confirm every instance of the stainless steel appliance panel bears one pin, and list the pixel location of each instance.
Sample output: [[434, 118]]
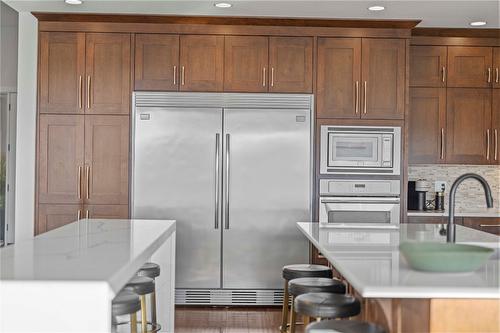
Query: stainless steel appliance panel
[[267, 182], [177, 176]]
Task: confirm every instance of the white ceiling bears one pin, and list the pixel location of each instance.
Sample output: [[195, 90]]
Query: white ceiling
[[442, 13]]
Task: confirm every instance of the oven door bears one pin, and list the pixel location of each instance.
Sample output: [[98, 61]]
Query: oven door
[[359, 212], [354, 150]]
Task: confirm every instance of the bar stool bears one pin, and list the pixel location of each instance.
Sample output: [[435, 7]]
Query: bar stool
[[344, 326], [126, 302], [152, 271], [291, 272], [297, 287], [142, 286]]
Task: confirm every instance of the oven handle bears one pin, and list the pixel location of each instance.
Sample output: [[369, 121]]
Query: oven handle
[[363, 201]]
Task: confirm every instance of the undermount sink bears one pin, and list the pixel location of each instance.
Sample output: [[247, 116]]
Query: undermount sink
[[444, 257]]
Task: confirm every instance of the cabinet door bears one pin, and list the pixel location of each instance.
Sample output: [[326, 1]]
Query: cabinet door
[[106, 159], [60, 158], [469, 66], [108, 73], [428, 66], [496, 67], [427, 120], [383, 76], [62, 71], [156, 62], [54, 216], [246, 63], [105, 211], [486, 224], [339, 76], [468, 121], [202, 63], [495, 127], [290, 60]]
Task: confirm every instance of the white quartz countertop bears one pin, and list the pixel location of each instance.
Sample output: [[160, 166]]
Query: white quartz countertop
[[109, 251], [370, 260], [480, 212]]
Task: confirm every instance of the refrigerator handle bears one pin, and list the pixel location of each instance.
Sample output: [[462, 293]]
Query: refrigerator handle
[[226, 212], [217, 180]]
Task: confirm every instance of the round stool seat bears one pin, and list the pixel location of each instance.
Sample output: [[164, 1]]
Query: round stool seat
[[344, 326], [327, 305], [126, 302], [141, 285], [291, 272], [150, 270], [301, 286]]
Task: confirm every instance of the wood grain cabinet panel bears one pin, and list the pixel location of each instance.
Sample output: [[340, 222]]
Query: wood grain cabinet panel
[[495, 127], [339, 78], [427, 121], [496, 67], [106, 211], [60, 158], [383, 75], [468, 122], [428, 66], [246, 63], [290, 62], [470, 67], [61, 72], [202, 63], [108, 73], [156, 62], [52, 216], [106, 159], [486, 224]]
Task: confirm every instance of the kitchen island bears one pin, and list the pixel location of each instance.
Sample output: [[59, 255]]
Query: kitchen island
[[64, 280], [405, 300]]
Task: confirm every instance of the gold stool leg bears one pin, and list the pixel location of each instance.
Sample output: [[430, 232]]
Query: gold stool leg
[[292, 318], [306, 320], [144, 320], [133, 322], [284, 314], [153, 309]]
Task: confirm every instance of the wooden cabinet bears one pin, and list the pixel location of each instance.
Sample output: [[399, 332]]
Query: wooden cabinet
[[156, 62], [290, 61], [431, 219], [383, 75], [486, 224], [338, 78], [105, 211], [246, 63], [428, 66], [52, 216], [470, 67], [427, 122], [108, 73], [468, 122], [62, 71], [496, 67], [495, 127]]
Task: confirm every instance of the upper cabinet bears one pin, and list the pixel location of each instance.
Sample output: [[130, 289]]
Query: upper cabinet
[[84, 73], [428, 66], [496, 67], [470, 67], [361, 78]]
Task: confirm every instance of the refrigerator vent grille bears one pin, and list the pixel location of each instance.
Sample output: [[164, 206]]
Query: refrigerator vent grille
[[228, 297]]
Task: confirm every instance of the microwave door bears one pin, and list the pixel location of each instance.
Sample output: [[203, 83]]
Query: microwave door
[[354, 150]]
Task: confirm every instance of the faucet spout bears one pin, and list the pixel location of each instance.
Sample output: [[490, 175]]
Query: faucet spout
[[450, 235]]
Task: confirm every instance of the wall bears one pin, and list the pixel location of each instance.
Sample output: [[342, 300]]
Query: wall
[[470, 194], [8, 48]]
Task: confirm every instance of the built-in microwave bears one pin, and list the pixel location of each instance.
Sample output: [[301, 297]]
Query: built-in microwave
[[363, 150]]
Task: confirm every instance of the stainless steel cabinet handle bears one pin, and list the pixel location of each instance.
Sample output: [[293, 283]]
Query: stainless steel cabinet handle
[[182, 75], [87, 214], [444, 74], [365, 98], [226, 213], [87, 173], [217, 181], [442, 143], [488, 144], [489, 225], [272, 76], [356, 98], [79, 182], [89, 84], [497, 75], [175, 75], [489, 74], [80, 92], [264, 76], [79, 215], [496, 144]]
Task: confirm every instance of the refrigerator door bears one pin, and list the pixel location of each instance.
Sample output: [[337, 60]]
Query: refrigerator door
[[267, 180], [177, 170]]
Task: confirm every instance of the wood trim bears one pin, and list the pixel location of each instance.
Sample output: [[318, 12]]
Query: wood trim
[[227, 20], [456, 32], [454, 41]]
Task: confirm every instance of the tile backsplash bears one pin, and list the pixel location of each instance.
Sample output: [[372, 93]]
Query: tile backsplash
[[470, 195]]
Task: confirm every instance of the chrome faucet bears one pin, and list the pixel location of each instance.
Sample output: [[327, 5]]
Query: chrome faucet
[[450, 235]]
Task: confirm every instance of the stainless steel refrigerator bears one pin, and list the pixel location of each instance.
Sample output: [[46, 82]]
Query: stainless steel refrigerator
[[235, 171]]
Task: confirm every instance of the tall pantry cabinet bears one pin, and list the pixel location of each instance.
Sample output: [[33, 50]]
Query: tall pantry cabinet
[[83, 127]]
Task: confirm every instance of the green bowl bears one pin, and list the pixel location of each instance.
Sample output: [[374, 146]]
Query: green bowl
[[444, 257]]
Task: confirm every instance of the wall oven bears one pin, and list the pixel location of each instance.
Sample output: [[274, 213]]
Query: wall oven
[[359, 203], [362, 150]]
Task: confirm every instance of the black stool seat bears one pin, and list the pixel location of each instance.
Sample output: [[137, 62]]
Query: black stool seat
[[301, 286], [344, 326], [126, 302], [141, 285], [327, 305], [150, 270], [291, 272]]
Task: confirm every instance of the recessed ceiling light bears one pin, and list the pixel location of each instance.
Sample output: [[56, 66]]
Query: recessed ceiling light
[[477, 23], [74, 2], [376, 8], [223, 5]]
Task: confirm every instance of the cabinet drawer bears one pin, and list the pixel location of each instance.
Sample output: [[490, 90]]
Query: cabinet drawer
[[486, 224]]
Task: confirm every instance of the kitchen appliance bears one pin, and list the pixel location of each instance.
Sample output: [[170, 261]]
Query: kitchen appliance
[[346, 203], [234, 170], [362, 150], [417, 192]]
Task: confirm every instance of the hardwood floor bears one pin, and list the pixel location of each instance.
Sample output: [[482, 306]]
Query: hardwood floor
[[228, 320]]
